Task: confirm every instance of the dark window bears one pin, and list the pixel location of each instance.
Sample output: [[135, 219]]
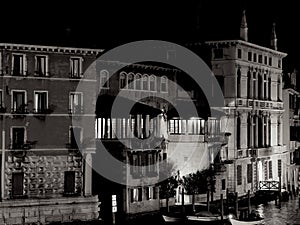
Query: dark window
[[249, 173], [254, 57], [250, 56], [279, 63], [17, 184], [239, 81], [19, 103], [76, 103], [140, 194], [18, 136], [1, 99], [75, 137], [69, 183], [279, 167], [154, 192], [218, 53], [238, 126], [239, 53], [220, 80], [104, 79], [19, 65], [270, 170], [239, 174], [266, 60], [260, 58], [41, 66], [122, 80], [270, 61], [223, 184]]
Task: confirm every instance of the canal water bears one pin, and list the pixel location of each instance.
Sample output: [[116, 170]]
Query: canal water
[[287, 214]]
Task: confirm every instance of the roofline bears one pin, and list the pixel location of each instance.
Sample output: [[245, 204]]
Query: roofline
[[55, 49], [283, 54]]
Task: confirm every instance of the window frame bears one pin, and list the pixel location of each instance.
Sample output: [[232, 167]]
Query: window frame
[[36, 72], [35, 103], [105, 85], [12, 99], [24, 64], [81, 135], [71, 109], [12, 138], [80, 59], [165, 83]]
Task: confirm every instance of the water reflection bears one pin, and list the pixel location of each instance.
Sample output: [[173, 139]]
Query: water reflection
[[288, 213]]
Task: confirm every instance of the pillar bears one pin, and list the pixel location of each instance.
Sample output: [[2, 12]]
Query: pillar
[[88, 174]]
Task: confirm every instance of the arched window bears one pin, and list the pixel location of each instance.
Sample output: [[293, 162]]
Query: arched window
[[152, 83], [254, 85], [163, 84], [104, 76], [145, 82], [249, 84], [130, 81], [238, 132], [138, 81], [122, 80]]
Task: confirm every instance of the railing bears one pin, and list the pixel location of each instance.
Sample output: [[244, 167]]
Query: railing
[[268, 185], [265, 104]]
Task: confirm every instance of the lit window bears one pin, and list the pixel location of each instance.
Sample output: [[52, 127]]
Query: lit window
[[76, 103], [104, 79], [41, 65], [76, 67], [40, 101], [19, 63], [163, 84]]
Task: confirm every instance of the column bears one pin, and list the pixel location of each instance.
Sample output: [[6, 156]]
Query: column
[[88, 175]]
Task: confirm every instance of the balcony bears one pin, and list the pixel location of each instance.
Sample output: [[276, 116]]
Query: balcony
[[255, 103], [20, 111], [76, 110], [265, 151]]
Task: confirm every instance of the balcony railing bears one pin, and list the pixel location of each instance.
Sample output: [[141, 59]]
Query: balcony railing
[[76, 110], [265, 104]]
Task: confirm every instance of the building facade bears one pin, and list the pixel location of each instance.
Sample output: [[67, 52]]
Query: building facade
[[44, 176], [251, 79]]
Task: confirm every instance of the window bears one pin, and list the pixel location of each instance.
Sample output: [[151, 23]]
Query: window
[[75, 137], [145, 82], [279, 167], [75, 68], [148, 193], [104, 79], [254, 92], [17, 184], [69, 182], [279, 63], [1, 99], [130, 81], [19, 63], [41, 65], [154, 190], [163, 84], [270, 61], [250, 56], [260, 58], [239, 82], [239, 53], [249, 173], [238, 131], [76, 103], [223, 184], [122, 80], [175, 126], [136, 194], [40, 101], [270, 170], [266, 60], [152, 83], [254, 57], [138, 81], [218, 53], [19, 101], [239, 174], [17, 137]]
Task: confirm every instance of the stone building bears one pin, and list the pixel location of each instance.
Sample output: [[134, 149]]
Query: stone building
[[44, 176], [251, 79], [291, 127]]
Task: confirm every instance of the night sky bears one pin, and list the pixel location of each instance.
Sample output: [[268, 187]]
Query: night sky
[[106, 24]]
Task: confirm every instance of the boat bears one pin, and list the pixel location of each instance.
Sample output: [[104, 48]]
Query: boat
[[173, 219], [205, 217], [240, 222]]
